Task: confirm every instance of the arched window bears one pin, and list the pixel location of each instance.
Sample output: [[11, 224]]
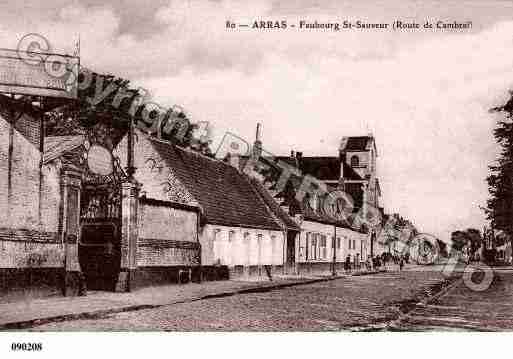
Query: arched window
[[355, 161]]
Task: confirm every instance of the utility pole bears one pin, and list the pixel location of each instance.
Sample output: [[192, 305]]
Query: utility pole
[[334, 269]]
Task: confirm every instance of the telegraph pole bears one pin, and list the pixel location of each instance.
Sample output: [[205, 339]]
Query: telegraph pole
[[334, 269]]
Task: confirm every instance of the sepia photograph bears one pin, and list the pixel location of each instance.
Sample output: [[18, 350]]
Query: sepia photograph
[[188, 167]]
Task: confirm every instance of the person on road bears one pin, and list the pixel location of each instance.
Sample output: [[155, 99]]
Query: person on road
[[347, 265], [401, 263]]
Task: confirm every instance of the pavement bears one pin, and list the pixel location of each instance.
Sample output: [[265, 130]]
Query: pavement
[[33, 312], [350, 303]]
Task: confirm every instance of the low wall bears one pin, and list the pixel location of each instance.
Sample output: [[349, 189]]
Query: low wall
[[157, 275], [30, 268], [27, 283]]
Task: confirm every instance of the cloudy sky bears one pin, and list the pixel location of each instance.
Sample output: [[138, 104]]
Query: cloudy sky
[[424, 94]]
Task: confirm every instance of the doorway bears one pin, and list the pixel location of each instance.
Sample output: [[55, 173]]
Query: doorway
[[290, 265], [99, 254], [99, 248]]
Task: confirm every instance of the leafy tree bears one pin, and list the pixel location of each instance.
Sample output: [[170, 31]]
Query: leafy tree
[[397, 229], [459, 240], [500, 181], [116, 110], [475, 239], [470, 238]]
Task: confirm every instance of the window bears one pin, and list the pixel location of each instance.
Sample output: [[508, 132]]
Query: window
[[259, 246], [355, 161], [230, 253], [338, 243], [247, 242], [217, 245], [323, 250], [307, 254], [314, 247]]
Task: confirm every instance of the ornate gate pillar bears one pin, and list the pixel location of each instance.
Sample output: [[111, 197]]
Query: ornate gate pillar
[[129, 233], [71, 183]]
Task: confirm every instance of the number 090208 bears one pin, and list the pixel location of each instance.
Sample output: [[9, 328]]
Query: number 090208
[[27, 347]]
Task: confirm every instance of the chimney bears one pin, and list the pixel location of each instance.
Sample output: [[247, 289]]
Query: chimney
[[341, 182], [257, 146]]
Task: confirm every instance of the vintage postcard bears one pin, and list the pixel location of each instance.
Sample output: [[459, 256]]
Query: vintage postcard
[[264, 166]]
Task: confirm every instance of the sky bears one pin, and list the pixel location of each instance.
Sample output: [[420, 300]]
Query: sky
[[423, 94]]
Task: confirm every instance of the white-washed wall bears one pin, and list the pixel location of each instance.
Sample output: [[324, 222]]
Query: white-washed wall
[[241, 246], [346, 236]]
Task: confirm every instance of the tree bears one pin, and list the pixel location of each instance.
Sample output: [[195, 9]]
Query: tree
[[397, 233], [459, 240], [470, 239], [500, 181], [475, 240], [116, 110]]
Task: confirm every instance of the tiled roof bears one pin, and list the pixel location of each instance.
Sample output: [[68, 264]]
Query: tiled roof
[[287, 196], [357, 143], [225, 195], [274, 206], [55, 146], [322, 168]]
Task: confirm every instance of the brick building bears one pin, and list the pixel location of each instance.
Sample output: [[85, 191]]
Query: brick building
[[238, 232], [32, 250]]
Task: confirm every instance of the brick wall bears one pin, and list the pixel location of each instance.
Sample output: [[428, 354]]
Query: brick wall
[[4, 164], [167, 236], [25, 254], [51, 198], [28, 238], [21, 200], [158, 181]]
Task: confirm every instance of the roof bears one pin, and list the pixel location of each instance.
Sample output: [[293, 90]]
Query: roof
[[357, 143], [323, 168], [225, 195], [275, 208], [56, 146], [288, 194]]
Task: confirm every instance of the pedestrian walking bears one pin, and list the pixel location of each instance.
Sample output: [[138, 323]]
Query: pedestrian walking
[[347, 264], [401, 263]]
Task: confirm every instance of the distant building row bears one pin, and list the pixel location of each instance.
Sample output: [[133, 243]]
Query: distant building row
[[72, 216]]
